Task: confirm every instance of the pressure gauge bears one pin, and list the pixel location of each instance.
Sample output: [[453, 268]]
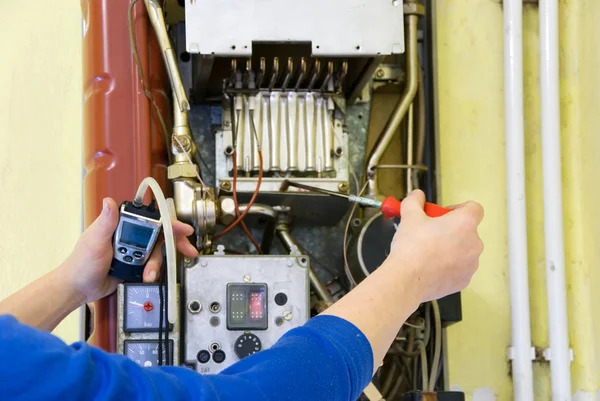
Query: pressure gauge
[[142, 308], [145, 352]]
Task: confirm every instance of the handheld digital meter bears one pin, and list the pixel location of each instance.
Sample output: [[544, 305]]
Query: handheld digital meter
[[134, 240]]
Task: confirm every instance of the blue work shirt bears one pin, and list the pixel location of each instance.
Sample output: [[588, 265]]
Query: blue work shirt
[[327, 359]]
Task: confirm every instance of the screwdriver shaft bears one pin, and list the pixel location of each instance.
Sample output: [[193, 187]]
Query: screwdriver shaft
[[365, 201]]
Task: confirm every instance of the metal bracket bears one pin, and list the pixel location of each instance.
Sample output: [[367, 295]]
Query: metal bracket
[[538, 354], [547, 353], [511, 353], [525, 2]]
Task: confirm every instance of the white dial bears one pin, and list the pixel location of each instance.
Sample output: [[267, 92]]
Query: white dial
[[142, 308]]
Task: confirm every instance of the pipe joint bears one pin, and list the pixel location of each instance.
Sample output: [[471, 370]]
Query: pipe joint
[[414, 8]]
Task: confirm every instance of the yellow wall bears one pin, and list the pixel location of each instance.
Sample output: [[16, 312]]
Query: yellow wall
[[470, 77], [40, 142]]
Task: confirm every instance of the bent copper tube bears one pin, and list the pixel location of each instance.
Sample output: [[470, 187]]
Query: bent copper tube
[[155, 13], [410, 90]]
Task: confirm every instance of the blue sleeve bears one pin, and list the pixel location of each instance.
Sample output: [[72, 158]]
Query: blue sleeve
[[327, 359]]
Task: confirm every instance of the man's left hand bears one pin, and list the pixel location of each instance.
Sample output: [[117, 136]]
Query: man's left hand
[[86, 269]]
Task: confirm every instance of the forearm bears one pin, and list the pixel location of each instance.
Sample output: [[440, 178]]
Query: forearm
[[380, 304], [328, 359], [44, 303]]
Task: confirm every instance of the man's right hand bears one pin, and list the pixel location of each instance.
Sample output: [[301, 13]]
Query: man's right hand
[[442, 252]]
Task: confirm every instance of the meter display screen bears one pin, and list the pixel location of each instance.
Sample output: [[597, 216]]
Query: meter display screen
[[135, 235], [247, 306]]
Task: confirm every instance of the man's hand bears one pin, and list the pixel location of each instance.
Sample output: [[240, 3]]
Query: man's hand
[[443, 252], [86, 269]]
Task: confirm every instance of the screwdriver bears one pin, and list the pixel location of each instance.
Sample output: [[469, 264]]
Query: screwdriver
[[390, 206]]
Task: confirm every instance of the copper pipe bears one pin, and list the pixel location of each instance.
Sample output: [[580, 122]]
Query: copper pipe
[[410, 90], [420, 128], [289, 242]]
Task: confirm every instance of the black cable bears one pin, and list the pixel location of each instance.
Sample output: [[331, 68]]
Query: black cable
[[429, 159], [166, 306], [160, 320]]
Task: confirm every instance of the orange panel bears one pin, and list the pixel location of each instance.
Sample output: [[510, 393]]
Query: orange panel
[[123, 142]]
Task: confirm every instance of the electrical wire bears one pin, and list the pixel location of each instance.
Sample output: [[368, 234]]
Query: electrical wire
[[189, 160], [237, 209], [424, 369], [148, 93], [167, 225], [438, 344], [235, 199], [136, 57], [166, 311], [161, 300], [414, 326], [349, 164], [396, 389], [345, 241], [254, 196]]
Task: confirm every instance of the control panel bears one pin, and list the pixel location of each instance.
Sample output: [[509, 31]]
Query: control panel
[[237, 306]]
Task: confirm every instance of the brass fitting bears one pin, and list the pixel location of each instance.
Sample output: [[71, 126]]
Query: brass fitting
[[226, 210], [414, 8], [182, 170]]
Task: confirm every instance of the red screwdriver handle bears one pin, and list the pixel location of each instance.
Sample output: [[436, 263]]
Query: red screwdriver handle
[[390, 207], [433, 210]]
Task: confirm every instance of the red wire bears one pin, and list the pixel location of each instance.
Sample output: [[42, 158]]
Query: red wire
[[237, 209], [252, 200]]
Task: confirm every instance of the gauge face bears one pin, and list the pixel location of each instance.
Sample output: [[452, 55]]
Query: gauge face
[[145, 352], [142, 308]]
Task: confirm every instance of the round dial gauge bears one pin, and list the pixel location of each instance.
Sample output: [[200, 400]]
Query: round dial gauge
[[247, 344], [142, 309], [145, 353]]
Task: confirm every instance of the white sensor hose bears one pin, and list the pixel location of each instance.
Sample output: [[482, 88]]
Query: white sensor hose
[[165, 217]]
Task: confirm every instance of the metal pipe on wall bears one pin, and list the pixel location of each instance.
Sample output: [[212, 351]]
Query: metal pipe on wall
[[410, 90], [553, 224], [521, 351]]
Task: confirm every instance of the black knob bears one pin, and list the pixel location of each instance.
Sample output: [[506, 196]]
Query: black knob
[[247, 344], [219, 356], [203, 356], [281, 299]]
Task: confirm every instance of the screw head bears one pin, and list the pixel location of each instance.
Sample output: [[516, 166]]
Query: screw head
[[247, 278], [226, 185], [204, 263], [287, 315], [227, 123], [380, 73], [343, 187]]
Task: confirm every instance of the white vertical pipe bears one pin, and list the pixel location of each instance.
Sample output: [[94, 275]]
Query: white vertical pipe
[[516, 208], [552, 178]]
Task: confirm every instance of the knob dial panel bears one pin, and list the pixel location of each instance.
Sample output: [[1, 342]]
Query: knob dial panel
[[247, 344]]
